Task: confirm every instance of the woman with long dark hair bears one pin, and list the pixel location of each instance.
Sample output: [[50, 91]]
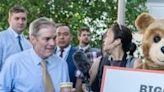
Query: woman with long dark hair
[[117, 42]]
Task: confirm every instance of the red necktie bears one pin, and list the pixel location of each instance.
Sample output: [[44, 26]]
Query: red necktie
[[61, 52]]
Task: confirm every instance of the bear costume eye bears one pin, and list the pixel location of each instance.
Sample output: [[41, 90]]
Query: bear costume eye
[[157, 39]]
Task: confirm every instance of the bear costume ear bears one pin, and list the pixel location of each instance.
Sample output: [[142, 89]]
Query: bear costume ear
[[143, 21]]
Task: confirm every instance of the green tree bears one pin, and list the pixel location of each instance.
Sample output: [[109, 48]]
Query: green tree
[[96, 14]]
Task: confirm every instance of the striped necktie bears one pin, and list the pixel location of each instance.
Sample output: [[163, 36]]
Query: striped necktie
[[46, 78]]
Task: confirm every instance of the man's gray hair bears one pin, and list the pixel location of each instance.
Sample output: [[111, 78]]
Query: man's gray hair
[[39, 23]]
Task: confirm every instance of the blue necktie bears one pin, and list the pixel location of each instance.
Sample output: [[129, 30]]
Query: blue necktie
[[19, 41]]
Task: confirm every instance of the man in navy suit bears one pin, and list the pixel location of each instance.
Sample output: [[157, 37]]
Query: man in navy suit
[[65, 50]]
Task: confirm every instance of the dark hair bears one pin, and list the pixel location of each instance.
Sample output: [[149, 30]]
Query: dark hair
[[83, 29], [62, 24], [123, 33], [132, 48], [17, 9]]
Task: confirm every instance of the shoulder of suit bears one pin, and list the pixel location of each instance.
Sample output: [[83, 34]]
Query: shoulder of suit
[[74, 48], [94, 49]]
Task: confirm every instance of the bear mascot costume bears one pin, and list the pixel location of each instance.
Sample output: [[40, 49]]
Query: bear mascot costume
[[152, 41]]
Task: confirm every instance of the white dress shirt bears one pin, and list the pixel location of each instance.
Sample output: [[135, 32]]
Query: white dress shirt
[[65, 53]]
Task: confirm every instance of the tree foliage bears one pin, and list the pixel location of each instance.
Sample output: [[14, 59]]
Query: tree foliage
[[96, 14]]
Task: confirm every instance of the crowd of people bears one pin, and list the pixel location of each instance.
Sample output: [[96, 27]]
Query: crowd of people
[[46, 59]]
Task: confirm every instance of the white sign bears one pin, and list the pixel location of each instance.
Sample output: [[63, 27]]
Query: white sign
[[116, 79]]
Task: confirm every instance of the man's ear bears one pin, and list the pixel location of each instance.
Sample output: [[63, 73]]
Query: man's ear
[[32, 39], [78, 37]]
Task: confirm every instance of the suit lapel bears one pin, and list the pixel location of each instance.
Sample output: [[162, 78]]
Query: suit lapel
[[69, 54]]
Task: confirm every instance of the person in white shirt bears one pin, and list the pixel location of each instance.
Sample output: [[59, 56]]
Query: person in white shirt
[[65, 50], [37, 69]]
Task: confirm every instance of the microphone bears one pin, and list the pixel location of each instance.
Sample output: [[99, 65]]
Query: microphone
[[82, 63]]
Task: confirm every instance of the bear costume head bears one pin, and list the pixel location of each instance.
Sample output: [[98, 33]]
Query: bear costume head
[[152, 41]]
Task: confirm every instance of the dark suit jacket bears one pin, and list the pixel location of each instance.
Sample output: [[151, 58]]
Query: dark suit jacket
[[71, 66]]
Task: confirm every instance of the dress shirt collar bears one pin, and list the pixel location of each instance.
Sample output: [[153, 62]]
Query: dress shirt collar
[[65, 49], [37, 59], [84, 48], [65, 53], [14, 33]]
